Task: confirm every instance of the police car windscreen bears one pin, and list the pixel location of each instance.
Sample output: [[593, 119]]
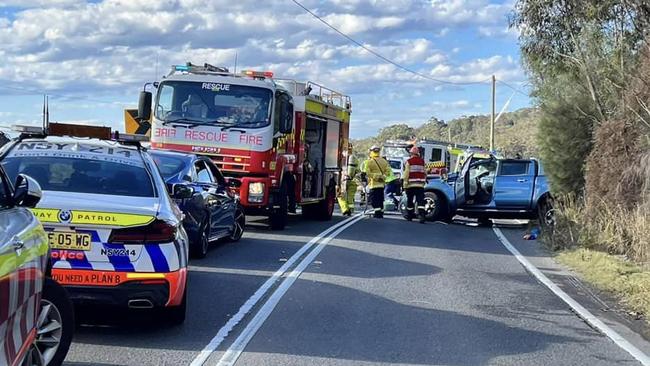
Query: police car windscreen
[[214, 103], [81, 168]]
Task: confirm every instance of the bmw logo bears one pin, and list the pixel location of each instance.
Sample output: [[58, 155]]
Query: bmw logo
[[65, 215]]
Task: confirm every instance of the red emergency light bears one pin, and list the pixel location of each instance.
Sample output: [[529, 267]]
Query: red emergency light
[[258, 74]]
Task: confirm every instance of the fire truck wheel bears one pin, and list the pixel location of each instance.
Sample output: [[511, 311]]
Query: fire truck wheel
[[326, 206], [279, 215]]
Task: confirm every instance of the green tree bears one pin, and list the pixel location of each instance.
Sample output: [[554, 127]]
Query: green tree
[[579, 55], [400, 131]]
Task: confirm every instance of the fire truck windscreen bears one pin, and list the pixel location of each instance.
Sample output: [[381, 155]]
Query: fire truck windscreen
[[214, 103]]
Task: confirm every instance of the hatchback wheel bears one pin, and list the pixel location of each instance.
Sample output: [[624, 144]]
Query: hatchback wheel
[[238, 226], [202, 242]]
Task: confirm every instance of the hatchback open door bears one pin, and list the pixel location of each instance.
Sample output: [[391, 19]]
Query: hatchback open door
[[461, 184]]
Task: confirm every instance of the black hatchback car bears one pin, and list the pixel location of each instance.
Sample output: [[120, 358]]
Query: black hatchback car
[[212, 210]]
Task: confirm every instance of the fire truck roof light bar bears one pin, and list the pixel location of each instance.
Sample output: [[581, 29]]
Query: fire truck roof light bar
[[258, 74], [197, 69]]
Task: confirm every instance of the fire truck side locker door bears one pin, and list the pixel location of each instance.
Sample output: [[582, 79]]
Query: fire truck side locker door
[[299, 150], [332, 144], [332, 153]]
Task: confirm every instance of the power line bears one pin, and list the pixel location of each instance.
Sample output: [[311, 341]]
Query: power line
[[514, 88], [382, 57], [62, 96]]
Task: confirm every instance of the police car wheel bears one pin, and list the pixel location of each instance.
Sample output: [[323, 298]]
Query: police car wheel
[[55, 324]]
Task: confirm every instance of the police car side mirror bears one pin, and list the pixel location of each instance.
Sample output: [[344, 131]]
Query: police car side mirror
[[181, 191], [27, 191], [144, 106]]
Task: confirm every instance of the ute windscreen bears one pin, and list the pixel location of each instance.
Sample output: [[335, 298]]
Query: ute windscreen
[[82, 175]]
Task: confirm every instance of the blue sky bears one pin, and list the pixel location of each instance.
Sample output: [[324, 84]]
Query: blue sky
[[93, 57]]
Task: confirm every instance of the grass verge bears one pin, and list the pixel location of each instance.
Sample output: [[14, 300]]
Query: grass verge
[[628, 281]]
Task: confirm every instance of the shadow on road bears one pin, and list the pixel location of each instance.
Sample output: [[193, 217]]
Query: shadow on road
[[332, 321], [456, 236]]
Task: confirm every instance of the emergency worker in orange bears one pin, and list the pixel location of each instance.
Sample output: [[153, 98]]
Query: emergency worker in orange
[[415, 178]]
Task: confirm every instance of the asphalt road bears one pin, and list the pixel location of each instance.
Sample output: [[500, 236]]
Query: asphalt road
[[383, 292]]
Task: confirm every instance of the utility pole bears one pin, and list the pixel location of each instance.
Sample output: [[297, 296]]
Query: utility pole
[[494, 106]]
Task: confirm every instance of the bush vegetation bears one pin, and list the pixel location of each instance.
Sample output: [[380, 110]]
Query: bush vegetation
[[589, 65]]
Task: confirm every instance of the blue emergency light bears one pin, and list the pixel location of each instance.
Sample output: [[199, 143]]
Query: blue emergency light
[[182, 68]]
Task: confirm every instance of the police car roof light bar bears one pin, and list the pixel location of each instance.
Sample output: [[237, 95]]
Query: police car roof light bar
[[129, 137], [74, 130], [29, 130]]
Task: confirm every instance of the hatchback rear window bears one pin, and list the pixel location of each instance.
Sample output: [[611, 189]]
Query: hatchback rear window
[[169, 166], [83, 175]]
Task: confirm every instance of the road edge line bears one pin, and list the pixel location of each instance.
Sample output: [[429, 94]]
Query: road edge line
[[223, 332], [235, 350], [580, 310]]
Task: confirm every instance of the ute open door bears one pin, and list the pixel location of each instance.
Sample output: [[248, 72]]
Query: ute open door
[[462, 182]]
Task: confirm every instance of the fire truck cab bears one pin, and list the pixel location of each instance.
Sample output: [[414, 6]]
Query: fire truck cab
[[285, 141]]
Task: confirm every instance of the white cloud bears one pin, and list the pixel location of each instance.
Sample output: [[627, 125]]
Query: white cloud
[[38, 3], [110, 47]]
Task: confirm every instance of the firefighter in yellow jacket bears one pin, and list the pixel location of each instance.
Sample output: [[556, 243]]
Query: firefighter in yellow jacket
[[346, 199], [376, 169]]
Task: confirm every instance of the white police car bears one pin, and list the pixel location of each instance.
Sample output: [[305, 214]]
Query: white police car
[[115, 234]]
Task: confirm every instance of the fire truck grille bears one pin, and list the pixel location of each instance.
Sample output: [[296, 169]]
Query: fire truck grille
[[232, 163]]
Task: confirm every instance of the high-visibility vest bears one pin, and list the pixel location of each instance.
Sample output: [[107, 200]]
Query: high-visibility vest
[[414, 173], [376, 169], [390, 176]]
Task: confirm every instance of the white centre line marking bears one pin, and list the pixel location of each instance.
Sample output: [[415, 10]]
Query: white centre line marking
[[577, 308], [232, 354], [253, 300]]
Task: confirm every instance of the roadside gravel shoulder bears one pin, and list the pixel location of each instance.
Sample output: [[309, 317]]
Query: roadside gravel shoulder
[[600, 303]]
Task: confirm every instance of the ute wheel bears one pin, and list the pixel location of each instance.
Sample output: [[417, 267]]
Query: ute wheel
[[434, 207], [279, 215], [238, 226], [55, 326], [202, 242], [402, 207], [175, 315], [546, 214]]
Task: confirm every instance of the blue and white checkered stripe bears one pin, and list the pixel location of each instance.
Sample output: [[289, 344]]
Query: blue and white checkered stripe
[[160, 258]]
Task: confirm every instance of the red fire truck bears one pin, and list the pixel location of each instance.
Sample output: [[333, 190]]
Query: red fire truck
[[285, 141]]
